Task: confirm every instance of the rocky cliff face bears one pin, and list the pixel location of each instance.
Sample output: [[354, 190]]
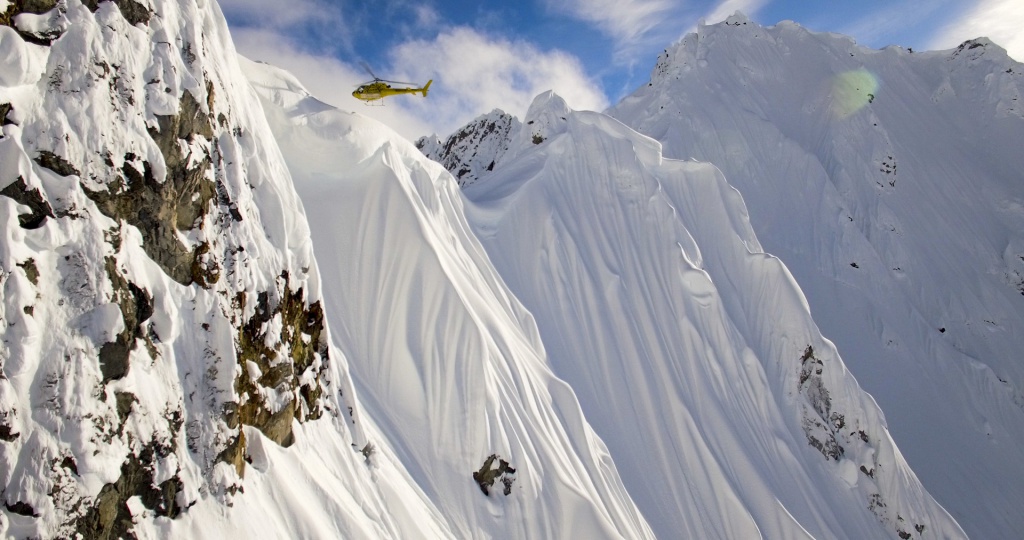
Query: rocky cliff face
[[476, 148], [158, 286]]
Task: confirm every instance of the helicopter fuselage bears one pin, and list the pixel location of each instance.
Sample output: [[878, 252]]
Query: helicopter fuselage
[[380, 90]]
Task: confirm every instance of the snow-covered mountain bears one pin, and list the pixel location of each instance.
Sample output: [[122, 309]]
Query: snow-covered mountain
[[692, 351], [475, 149], [167, 369], [889, 183], [230, 310], [443, 355], [724, 422], [172, 366]]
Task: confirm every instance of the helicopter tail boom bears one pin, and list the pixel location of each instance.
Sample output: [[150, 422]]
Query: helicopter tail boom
[[427, 87]]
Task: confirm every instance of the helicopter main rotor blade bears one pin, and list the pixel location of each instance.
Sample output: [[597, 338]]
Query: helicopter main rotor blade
[[368, 70]]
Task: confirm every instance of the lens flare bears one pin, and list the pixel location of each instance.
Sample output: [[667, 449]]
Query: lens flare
[[852, 90]]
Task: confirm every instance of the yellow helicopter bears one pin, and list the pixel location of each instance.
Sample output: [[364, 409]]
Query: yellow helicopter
[[378, 88]]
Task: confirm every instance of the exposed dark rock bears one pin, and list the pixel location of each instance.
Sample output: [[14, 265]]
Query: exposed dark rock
[[124, 401], [32, 198], [21, 508], [143, 303], [31, 272], [160, 209], [17, 7], [7, 433], [486, 476], [234, 454], [37, 7], [473, 149], [368, 451], [114, 358], [282, 365], [69, 463], [132, 11], [56, 164], [109, 517], [278, 427], [205, 270], [136, 307], [820, 426], [5, 109]]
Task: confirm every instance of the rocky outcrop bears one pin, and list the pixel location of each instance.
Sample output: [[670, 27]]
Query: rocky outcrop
[[286, 365], [168, 291], [161, 210], [475, 149]]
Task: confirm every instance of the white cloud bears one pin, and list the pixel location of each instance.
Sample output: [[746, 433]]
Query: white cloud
[[426, 16], [725, 8], [475, 73], [472, 73], [327, 78], [999, 20], [633, 24]]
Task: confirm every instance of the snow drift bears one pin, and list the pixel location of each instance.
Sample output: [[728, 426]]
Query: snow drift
[[889, 182], [692, 351], [445, 359]]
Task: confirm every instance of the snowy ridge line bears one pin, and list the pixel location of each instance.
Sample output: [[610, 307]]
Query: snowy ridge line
[[446, 361], [657, 305], [886, 181]]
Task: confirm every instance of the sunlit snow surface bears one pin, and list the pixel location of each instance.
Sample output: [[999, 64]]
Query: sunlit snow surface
[[890, 182], [652, 298], [683, 339], [92, 97], [445, 360]]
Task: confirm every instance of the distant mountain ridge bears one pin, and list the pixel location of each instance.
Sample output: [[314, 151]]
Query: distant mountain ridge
[[888, 182], [475, 149], [657, 305]]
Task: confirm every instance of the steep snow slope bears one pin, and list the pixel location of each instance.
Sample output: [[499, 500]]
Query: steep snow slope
[[161, 313], [691, 350], [474, 150], [445, 359], [890, 184]]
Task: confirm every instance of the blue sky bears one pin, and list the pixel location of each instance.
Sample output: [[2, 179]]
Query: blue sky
[[500, 54]]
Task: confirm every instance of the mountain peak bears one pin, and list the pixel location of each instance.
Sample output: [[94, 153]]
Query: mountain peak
[[474, 149], [546, 117], [738, 18], [842, 153]]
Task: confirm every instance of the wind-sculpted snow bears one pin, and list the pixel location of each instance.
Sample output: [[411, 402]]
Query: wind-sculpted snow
[[692, 351], [889, 181], [447, 363]]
